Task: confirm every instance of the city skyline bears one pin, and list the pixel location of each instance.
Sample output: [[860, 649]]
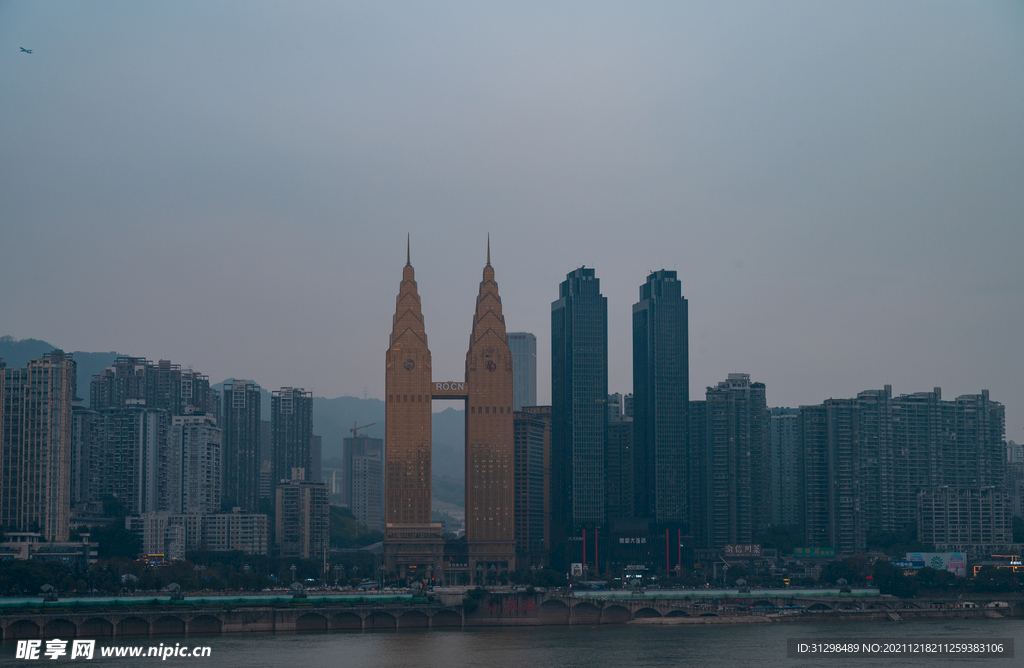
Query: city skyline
[[848, 184]]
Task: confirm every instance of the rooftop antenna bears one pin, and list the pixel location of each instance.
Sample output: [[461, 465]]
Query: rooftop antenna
[[407, 256], [488, 248]]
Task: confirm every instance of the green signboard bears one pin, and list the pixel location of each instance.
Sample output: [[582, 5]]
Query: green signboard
[[814, 552]]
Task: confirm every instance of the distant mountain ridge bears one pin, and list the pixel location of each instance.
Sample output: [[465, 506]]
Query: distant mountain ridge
[[17, 354]]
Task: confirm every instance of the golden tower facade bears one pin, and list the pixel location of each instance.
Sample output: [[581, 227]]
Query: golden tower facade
[[412, 544], [490, 437]]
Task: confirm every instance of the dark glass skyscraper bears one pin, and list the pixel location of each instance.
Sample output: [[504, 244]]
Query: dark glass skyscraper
[[241, 445], [291, 419], [661, 395], [579, 393]]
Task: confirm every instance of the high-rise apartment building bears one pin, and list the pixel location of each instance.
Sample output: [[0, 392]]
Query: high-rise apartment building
[[938, 443], [977, 455], [363, 484], [240, 445], [523, 347], [162, 385], [661, 395], [736, 454], [831, 469], [302, 520], [579, 391], [84, 449], [920, 423], [787, 465], [35, 446], [532, 444], [291, 420], [876, 484], [868, 463], [198, 438], [134, 462], [134, 457]]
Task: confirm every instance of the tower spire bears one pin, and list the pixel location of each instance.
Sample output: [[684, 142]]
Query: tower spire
[[407, 256], [488, 249]]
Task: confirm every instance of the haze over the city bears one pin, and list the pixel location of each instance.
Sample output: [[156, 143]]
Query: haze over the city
[[229, 185]]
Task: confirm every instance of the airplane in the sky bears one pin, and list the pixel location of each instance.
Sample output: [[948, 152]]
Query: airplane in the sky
[[24, 50]]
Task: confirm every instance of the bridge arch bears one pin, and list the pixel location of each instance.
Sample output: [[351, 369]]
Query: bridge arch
[[615, 614], [586, 613], [311, 621], [59, 628], [133, 626], [168, 625], [553, 611], [818, 607], [346, 620], [646, 613], [205, 624], [677, 613], [96, 627], [414, 619], [446, 618], [23, 628], [381, 620]]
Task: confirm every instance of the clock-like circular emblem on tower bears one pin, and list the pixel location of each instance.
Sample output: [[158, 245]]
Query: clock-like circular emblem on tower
[[491, 366], [409, 364]]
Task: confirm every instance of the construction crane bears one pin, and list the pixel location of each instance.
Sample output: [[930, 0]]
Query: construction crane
[[355, 429]]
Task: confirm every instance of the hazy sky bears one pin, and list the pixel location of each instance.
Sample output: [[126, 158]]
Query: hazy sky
[[229, 185]]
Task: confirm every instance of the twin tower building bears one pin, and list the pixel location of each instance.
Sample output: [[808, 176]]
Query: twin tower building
[[413, 545]]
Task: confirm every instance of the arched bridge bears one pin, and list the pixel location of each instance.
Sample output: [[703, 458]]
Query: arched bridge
[[498, 609]]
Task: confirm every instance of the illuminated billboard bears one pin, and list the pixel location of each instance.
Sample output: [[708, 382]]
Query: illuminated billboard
[[954, 562]]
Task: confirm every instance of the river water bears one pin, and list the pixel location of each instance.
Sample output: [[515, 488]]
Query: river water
[[615, 646]]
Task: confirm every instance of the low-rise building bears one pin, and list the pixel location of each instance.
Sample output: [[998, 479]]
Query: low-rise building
[[174, 534], [974, 520], [27, 545]]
